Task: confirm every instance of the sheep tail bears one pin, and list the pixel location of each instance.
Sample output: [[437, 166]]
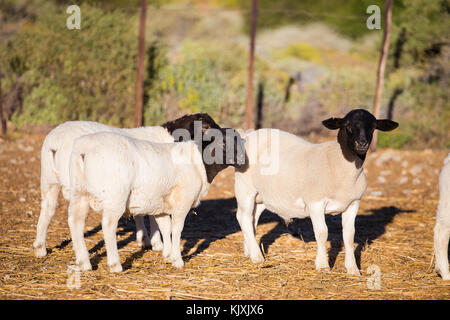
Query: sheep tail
[[79, 172], [52, 161], [80, 163]]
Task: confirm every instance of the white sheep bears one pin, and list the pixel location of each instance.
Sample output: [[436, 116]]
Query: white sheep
[[298, 179], [112, 173], [442, 226], [55, 154]]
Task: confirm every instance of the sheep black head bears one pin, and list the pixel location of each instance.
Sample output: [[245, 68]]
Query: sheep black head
[[357, 129], [220, 147], [187, 121], [223, 146]]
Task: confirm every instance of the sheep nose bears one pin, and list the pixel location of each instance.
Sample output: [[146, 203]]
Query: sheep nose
[[361, 143]]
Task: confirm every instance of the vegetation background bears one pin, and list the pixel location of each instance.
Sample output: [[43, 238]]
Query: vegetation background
[[313, 59]]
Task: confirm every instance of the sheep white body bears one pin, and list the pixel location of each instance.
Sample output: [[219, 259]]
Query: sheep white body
[[442, 226], [311, 180], [55, 155], [114, 173]]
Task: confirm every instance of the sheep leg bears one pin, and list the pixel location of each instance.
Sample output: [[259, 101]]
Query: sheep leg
[[164, 224], [78, 211], [441, 238], [48, 207], [348, 233], [155, 235], [247, 215], [239, 219], [317, 214], [142, 238], [110, 220], [245, 218], [258, 209], [177, 226]]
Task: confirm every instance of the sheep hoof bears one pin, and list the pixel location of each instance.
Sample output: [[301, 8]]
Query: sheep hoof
[[258, 259], [178, 263], [323, 269], [143, 244], [166, 257], [116, 267], [84, 266], [157, 245], [353, 271], [444, 275], [40, 251]]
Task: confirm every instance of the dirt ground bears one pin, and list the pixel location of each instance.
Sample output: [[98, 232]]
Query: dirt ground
[[394, 234]]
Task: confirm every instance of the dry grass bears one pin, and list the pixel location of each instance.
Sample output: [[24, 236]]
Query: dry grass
[[394, 231]]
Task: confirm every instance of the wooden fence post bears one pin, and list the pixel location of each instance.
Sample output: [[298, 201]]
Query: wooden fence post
[[249, 103], [381, 67], [2, 115], [140, 66]]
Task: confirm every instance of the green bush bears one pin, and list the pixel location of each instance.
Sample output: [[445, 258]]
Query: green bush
[[74, 74], [418, 65], [397, 139], [211, 77], [197, 61], [90, 73]]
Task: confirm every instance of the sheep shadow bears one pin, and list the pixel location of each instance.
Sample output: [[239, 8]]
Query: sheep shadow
[[125, 226], [87, 234], [367, 229], [215, 219], [212, 220]]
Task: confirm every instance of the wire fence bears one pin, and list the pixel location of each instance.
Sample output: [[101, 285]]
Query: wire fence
[[288, 12]]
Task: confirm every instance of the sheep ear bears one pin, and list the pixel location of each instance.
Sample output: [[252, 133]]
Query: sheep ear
[[333, 123], [386, 125], [205, 126]]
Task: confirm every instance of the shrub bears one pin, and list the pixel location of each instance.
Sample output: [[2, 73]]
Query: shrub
[[74, 74], [302, 51]]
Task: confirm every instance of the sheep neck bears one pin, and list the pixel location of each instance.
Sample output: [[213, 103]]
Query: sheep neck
[[348, 154], [212, 170]]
